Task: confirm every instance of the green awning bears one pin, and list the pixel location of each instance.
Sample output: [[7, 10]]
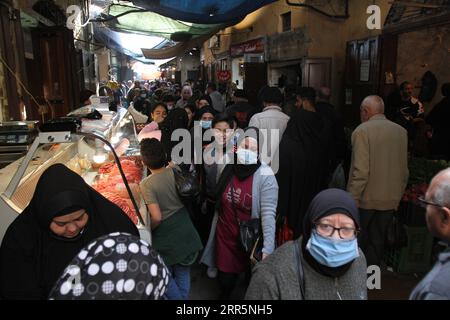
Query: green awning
[[150, 23]]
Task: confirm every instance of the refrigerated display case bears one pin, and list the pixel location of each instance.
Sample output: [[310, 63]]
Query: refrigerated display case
[[88, 154]]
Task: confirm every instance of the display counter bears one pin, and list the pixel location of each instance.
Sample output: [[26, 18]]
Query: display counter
[[89, 157]]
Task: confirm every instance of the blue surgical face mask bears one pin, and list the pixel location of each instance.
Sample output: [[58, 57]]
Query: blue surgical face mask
[[206, 124], [332, 252], [246, 156]]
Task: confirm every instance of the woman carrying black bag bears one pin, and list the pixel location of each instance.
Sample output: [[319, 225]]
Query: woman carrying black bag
[[246, 190]]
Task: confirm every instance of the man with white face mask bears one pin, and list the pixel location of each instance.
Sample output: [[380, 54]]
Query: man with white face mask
[[170, 102]]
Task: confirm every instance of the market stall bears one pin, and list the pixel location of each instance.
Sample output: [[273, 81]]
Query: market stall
[[88, 152], [412, 244]]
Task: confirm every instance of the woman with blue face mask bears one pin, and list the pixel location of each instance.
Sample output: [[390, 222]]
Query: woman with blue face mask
[[246, 190], [325, 264]]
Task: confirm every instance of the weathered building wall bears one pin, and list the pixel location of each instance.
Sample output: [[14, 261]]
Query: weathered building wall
[[424, 50], [324, 37]]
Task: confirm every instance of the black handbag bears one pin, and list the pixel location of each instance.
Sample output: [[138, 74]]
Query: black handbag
[[186, 183], [250, 234]]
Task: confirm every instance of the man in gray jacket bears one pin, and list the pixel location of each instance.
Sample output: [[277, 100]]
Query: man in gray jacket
[[218, 102], [272, 123], [436, 285]]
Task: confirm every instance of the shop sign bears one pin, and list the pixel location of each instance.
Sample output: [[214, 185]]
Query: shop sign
[[253, 46], [224, 75]]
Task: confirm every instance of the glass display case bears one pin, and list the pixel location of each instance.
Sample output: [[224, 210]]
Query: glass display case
[[88, 154]]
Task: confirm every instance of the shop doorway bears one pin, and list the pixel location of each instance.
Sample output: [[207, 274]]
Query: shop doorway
[[255, 77], [237, 72], [317, 73]]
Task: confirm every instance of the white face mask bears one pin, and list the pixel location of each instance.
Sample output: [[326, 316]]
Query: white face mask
[[246, 157]]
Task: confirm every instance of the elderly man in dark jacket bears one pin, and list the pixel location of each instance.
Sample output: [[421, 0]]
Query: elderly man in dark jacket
[[436, 284]]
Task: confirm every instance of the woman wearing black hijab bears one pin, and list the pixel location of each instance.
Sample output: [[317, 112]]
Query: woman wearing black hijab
[[325, 264], [117, 266], [63, 216], [177, 119], [305, 165], [245, 190]]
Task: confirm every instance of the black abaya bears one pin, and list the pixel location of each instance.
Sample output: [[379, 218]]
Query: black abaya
[[305, 160], [31, 256]]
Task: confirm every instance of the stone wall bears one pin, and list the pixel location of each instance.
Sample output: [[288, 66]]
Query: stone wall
[[424, 50]]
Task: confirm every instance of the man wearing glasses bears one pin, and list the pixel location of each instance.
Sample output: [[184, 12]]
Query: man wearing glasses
[[436, 285]]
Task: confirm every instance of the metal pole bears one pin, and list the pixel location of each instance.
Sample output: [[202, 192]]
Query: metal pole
[[12, 186]]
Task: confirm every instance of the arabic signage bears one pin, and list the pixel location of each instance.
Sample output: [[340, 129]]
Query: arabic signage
[[252, 46]]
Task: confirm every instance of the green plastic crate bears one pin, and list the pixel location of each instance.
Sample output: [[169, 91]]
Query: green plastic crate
[[416, 256]]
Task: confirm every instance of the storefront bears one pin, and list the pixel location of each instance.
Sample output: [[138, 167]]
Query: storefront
[[248, 67], [289, 63], [285, 57]]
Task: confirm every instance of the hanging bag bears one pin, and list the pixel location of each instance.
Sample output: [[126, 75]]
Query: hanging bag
[[250, 234], [186, 183]]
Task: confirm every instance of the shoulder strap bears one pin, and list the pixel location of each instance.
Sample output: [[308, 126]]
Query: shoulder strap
[[301, 280]]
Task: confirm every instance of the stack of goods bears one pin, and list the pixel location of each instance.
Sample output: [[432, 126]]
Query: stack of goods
[[415, 255], [421, 171], [112, 187]]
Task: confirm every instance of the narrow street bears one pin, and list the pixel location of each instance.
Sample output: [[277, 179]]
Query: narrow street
[[140, 137]]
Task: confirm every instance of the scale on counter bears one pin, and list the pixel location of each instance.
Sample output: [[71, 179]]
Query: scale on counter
[[16, 138]]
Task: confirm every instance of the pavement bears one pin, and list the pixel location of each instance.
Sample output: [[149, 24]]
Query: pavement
[[394, 286], [204, 288]]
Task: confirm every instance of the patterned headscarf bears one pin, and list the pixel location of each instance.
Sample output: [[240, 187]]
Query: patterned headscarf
[[115, 266]]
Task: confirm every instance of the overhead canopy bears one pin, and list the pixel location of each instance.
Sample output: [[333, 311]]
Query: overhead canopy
[[180, 36], [151, 23], [203, 11], [128, 43], [183, 24]]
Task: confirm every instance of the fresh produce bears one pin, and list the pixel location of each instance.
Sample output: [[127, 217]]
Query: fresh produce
[[421, 171]]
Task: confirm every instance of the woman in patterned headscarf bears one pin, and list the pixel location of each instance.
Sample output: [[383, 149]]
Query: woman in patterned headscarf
[[115, 266]]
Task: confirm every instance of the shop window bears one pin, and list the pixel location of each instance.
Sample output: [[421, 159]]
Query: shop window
[[223, 64], [286, 22]]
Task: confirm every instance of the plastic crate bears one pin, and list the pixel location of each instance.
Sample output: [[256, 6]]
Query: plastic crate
[[416, 256]]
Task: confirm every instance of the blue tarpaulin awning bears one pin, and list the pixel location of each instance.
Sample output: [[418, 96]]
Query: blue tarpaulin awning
[[203, 11]]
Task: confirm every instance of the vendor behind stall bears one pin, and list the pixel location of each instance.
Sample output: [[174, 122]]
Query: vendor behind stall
[[64, 215]]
